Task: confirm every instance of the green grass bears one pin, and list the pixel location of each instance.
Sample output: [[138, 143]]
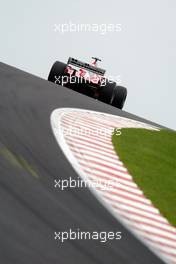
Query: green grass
[[150, 157]]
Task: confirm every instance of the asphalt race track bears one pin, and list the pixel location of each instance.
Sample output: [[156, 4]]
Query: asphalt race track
[[31, 209]]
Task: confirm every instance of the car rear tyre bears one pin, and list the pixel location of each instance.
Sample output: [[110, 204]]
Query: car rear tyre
[[120, 94], [106, 92], [56, 72]]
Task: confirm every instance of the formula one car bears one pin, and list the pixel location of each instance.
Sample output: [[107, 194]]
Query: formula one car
[[88, 79]]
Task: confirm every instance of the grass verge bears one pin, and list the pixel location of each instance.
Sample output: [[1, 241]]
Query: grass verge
[[150, 157]]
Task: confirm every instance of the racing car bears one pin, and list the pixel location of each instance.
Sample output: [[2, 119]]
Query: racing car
[[89, 80]]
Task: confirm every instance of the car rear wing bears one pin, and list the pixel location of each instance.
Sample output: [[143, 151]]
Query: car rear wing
[[86, 66]]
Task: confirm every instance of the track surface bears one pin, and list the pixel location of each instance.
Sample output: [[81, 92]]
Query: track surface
[[31, 209]]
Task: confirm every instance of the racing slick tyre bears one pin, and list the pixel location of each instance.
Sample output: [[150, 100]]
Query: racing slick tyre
[[106, 92], [56, 72], [120, 94]]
